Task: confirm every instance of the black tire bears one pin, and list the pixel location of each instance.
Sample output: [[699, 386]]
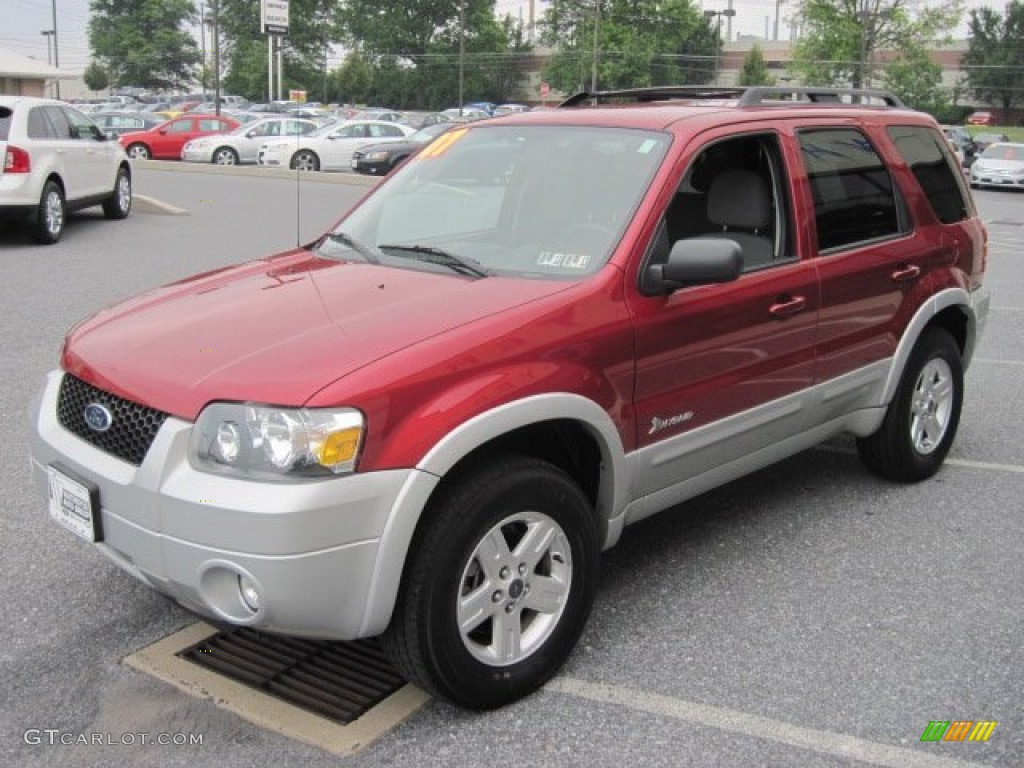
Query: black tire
[[139, 152], [505, 500], [51, 215], [225, 156], [304, 160], [119, 204], [924, 414]]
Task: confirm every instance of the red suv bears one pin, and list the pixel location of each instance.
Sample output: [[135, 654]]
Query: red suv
[[429, 422]]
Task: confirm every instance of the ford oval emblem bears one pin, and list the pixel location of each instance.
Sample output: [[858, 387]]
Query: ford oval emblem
[[97, 417]]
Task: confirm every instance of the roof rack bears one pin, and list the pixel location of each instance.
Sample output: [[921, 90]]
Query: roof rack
[[744, 97]]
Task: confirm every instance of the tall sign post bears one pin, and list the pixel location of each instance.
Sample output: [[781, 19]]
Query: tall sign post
[[274, 23]]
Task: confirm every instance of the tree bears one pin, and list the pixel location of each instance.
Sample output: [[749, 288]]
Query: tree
[[95, 77], [841, 36], [917, 80], [995, 55], [755, 71], [144, 42], [637, 42]]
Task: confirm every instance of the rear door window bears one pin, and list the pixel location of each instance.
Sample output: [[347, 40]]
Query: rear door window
[[855, 200]]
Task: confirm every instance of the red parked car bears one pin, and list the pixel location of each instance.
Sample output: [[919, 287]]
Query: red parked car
[[165, 141], [429, 422], [981, 118]]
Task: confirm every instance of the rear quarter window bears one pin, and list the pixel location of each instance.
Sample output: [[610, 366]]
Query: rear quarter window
[[5, 122], [923, 150]]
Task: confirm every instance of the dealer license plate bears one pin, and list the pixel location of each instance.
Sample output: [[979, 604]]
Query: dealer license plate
[[74, 504]]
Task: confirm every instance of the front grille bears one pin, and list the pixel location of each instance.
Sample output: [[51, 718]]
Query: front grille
[[133, 427], [337, 680]]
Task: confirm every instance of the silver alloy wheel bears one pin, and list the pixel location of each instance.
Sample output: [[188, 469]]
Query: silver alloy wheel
[[53, 212], [305, 161], [225, 156], [514, 589], [124, 192], [138, 152], [931, 405]]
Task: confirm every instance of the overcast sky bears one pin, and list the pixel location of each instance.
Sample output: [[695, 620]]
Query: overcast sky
[[21, 22]]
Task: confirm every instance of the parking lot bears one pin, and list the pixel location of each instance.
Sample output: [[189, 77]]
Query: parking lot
[[808, 615]]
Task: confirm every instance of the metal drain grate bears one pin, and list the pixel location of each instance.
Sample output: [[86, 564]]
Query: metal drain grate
[[337, 680]]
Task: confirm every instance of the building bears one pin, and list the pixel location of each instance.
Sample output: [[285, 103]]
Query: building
[[22, 76]]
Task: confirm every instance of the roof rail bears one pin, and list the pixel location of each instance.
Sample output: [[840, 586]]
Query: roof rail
[[743, 96]]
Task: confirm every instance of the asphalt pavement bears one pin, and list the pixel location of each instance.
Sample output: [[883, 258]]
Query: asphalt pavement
[[808, 615]]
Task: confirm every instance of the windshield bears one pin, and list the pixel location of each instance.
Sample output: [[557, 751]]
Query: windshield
[[533, 201], [1004, 152]]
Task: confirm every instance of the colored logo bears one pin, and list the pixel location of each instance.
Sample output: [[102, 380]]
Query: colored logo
[[97, 417], [959, 730]]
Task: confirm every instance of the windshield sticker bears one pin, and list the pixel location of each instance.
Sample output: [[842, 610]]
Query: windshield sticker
[[439, 146], [647, 146], [563, 260]]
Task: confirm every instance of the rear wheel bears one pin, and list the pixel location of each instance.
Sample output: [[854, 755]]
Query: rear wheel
[[305, 161], [51, 214], [119, 204], [498, 585], [924, 414]]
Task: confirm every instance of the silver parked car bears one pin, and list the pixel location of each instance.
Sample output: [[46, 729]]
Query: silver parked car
[[1000, 165], [242, 144], [55, 160]]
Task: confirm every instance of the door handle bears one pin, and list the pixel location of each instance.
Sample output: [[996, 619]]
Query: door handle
[[786, 306], [906, 274]]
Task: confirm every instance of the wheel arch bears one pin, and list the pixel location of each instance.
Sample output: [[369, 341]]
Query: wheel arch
[[951, 310], [569, 431]]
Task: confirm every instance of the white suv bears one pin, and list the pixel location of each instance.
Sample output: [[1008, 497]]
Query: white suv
[[55, 159]]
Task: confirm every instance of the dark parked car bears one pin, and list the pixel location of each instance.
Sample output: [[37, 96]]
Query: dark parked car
[[117, 123], [962, 143], [382, 158]]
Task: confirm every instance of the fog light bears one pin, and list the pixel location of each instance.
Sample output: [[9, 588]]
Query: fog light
[[250, 593]]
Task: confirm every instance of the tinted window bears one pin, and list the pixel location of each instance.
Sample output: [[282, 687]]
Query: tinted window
[[38, 125], [922, 149], [59, 123], [180, 126], [81, 126], [5, 123], [854, 197]]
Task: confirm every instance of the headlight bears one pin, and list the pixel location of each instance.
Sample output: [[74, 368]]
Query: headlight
[[376, 157], [264, 442]]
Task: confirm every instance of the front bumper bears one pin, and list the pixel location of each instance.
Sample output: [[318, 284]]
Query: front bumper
[[313, 549]]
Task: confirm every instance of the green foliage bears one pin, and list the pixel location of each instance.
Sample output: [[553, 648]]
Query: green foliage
[[144, 42], [841, 36], [995, 55], [639, 43], [917, 80], [95, 77], [755, 71]]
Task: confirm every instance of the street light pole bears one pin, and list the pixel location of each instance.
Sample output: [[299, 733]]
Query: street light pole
[[462, 54], [593, 64], [717, 15], [56, 57]]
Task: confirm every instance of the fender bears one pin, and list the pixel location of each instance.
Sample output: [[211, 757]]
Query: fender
[[459, 443], [975, 310]]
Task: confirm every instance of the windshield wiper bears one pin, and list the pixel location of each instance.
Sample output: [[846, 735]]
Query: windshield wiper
[[432, 255], [355, 245]]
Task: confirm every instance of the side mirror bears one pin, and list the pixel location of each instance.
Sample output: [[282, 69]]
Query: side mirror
[[694, 261]]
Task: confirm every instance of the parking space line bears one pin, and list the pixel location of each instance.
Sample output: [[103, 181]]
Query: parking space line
[[1015, 468], [993, 361], [756, 726]]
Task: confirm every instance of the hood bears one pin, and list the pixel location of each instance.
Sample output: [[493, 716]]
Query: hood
[[275, 331]]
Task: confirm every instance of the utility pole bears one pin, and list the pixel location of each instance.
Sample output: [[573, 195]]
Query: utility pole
[[593, 64], [462, 54], [216, 57]]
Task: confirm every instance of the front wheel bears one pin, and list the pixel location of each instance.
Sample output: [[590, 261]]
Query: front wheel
[[119, 204], [225, 156], [498, 585], [305, 161], [923, 416], [139, 152]]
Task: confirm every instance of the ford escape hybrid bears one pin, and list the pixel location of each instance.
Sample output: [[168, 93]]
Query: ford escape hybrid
[[428, 423]]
